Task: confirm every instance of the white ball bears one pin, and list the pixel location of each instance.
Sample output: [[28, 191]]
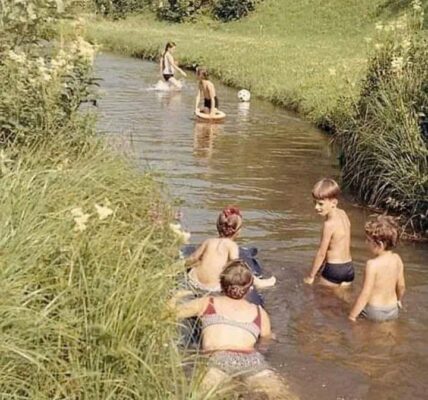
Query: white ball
[[244, 95]]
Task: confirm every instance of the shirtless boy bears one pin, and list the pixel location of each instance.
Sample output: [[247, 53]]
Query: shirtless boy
[[384, 285], [334, 253], [206, 89], [210, 258]]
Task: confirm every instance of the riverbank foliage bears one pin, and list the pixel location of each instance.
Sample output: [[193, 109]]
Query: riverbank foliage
[[312, 58], [88, 258], [384, 141], [178, 10]]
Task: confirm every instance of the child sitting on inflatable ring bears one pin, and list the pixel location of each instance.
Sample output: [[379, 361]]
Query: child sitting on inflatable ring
[[213, 254], [206, 89], [231, 327]]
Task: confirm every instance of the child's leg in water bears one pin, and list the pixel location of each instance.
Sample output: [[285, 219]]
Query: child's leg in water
[[213, 379], [271, 384], [175, 82]]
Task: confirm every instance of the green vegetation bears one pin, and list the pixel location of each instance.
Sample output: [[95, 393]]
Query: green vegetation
[[88, 257], [310, 57], [384, 142]]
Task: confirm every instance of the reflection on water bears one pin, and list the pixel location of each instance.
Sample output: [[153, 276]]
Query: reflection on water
[[266, 160], [204, 135]]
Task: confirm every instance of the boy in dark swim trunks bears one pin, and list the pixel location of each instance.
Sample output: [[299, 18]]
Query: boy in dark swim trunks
[[334, 254], [206, 89], [384, 285]]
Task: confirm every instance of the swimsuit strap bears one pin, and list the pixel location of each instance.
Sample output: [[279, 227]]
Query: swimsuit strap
[[210, 310], [258, 320]]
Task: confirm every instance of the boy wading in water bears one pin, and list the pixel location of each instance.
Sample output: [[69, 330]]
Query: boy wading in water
[[210, 258], [206, 90], [334, 252], [168, 66], [384, 285]]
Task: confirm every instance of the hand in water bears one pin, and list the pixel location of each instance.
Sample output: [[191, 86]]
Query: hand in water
[[184, 74], [309, 280], [353, 319], [399, 304]]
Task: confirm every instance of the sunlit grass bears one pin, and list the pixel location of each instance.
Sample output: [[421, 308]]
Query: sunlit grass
[[83, 312]]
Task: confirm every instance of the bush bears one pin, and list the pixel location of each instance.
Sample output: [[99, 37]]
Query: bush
[[180, 10], [229, 10], [385, 154], [121, 8]]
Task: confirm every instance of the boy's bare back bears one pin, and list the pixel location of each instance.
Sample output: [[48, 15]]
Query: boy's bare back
[[386, 272], [340, 240]]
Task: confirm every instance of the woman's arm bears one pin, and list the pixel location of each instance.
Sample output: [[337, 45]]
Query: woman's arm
[[363, 298], [189, 309], [175, 66], [265, 331], [197, 254], [319, 259], [161, 65]]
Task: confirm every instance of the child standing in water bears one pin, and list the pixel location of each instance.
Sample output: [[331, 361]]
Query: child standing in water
[[206, 89], [334, 252], [210, 258], [168, 66], [384, 285]]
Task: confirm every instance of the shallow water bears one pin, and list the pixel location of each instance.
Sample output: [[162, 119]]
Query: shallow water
[[266, 160]]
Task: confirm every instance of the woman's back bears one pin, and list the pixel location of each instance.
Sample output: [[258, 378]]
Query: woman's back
[[230, 324]]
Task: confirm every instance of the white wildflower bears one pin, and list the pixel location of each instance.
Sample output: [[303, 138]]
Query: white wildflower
[[401, 23], [80, 218], [103, 212], [417, 5], [182, 235], [17, 57], [405, 44], [397, 64], [368, 39], [378, 46], [379, 26], [332, 71]]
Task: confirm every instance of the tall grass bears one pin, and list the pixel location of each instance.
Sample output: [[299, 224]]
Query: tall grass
[[88, 260], [385, 152], [83, 311]]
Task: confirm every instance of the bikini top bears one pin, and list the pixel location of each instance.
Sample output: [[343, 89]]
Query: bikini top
[[210, 317]]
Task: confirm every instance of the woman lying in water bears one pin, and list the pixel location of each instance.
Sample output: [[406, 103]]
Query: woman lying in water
[[210, 258], [231, 327]]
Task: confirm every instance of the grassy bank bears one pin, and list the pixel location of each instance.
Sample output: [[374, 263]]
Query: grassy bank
[[88, 260], [303, 55]]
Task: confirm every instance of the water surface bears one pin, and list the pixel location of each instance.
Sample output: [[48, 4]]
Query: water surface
[[266, 161]]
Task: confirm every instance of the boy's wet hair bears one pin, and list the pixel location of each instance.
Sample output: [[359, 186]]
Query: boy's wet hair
[[383, 230], [326, 188], [202, 72], [229, 222], [236, 279]]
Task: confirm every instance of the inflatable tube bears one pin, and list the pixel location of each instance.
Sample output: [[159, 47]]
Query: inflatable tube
[[203, 117]]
